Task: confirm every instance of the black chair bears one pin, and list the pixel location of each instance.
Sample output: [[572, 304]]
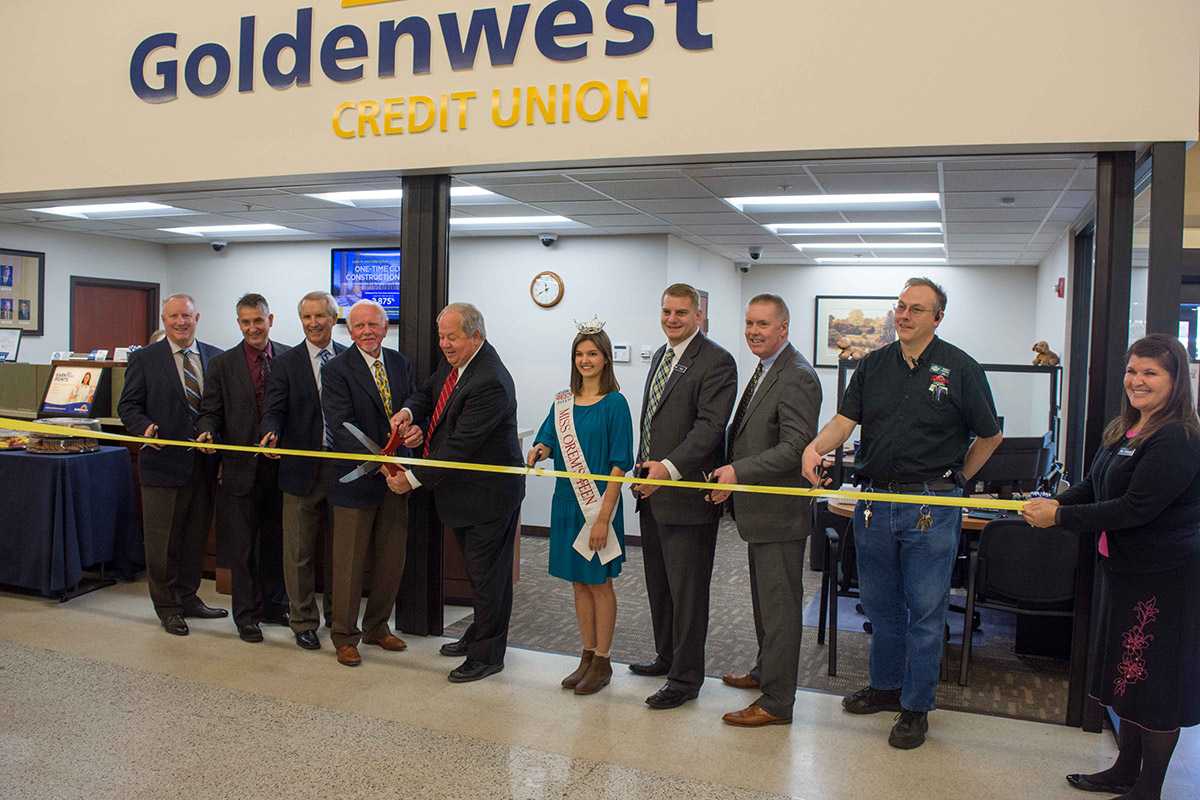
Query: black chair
[[1015, 567], [838, 571]]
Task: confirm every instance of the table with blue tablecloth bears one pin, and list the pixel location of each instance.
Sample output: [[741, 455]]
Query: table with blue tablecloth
[[64, 512]]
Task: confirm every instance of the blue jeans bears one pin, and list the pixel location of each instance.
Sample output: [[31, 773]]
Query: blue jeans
[[904, 583]]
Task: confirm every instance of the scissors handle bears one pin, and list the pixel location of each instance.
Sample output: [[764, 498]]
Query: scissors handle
[[394, 443]]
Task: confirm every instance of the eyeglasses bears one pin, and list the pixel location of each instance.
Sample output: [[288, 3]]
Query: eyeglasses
[[914, 311]]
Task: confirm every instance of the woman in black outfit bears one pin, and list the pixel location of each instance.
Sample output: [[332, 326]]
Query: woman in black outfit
[[1142, 495]]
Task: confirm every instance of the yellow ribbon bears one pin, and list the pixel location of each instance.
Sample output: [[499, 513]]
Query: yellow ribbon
[[791, 491]]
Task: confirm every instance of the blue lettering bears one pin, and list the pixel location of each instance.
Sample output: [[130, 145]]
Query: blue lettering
[[169, 70], [191, 70], [687, 25], [332, 53], [300, 44], [246, 56], [548, 29], [641, 28], [389, 37], [503, 52]]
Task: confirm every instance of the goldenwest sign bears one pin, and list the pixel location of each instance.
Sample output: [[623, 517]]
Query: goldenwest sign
[[562, 32]]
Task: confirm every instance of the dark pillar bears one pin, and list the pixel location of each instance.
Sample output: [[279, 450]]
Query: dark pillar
[[1166, 237]]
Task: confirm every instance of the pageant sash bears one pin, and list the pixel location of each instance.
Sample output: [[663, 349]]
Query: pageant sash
[[587, 493]]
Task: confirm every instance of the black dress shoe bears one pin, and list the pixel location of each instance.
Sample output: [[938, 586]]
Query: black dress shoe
[[174, 624], [250, 633], [306, 639], [668, 697], [276, 617], [651, 668], [1081, 782], [200, 611], [455, 649], [473, 671]]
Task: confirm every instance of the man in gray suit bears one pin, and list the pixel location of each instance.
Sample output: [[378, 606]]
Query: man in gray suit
[[775, 419], [690, 391]]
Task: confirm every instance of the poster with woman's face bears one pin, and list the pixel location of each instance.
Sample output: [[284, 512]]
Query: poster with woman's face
[[71, 390]]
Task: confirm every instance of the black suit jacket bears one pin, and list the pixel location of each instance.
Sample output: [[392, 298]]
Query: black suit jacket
[[478, 425], [349, 394], [292, 411], [153, 395], [688, 429], [229, 411]]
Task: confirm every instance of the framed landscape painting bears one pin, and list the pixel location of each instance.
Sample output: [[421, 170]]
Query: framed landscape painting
[[865, 322]]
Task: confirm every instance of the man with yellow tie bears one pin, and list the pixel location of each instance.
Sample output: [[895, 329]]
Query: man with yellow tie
[[363, 386]]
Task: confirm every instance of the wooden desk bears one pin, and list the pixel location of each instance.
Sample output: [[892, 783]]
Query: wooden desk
[[845, 508]]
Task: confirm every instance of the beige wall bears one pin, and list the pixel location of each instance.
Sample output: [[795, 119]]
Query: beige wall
[[782, 77]]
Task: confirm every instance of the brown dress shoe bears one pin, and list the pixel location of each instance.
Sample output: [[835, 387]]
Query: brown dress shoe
[[741, 680], [575, 677], [597, 677], [348, 655], [389, 642], [754, 717]]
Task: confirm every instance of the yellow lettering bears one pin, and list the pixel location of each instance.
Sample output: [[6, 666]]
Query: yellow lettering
[[581, 104], [516, 109], [640, 103], [461, 98], [337, 120], [367, 109], [442, 115], [566, 102], [533, 98], [430, 115], [392, 114]]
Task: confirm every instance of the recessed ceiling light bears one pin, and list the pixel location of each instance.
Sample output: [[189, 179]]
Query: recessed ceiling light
[[869, 246], [867, 260], [230, 230], [520, 222], [392, 197], [1007, 201], [111, 210], [816, 228], [825, 202]]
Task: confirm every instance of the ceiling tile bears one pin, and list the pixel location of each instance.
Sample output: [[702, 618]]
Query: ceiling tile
[[1009, 180], [547, 192]]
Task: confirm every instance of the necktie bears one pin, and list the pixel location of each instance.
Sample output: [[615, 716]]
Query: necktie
[[746, 397], [385, 391], [324, 355], [443, 397], [191, 383], [656, 392], [264, 372]]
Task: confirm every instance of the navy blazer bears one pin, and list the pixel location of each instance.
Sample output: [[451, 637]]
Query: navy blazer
[[478, 425], [292, 411], [229, 411], [349, 394], [153, 395]]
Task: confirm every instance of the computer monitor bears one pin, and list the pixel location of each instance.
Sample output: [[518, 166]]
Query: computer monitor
[[1019, 464]]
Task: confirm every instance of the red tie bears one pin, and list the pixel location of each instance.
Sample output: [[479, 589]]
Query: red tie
[[447, 388]]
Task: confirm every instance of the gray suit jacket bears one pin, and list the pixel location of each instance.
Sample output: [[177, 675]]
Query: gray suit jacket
[[766, 450], [689, 426]]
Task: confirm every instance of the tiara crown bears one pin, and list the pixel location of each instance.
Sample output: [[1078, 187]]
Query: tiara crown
[[592, 326]]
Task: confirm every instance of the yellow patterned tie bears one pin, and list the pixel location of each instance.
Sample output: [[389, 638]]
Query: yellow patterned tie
[[385, 392]]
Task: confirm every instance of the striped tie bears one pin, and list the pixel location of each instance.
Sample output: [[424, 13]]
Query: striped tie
[[324, 355], [746, 397], [443, 397], [191, 384], [385, 391], [656, 393]]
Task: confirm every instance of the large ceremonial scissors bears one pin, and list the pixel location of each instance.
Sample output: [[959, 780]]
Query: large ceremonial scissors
[[368, 467]]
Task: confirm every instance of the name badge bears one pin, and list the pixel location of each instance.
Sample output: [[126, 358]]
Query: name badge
[[680, 368], [1124, 451]]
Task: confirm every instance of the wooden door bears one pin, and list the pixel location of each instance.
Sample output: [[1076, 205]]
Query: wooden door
[[107, 314]]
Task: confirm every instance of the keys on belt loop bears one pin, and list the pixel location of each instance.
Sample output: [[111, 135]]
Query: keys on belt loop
[[926, 519], [867, 512]]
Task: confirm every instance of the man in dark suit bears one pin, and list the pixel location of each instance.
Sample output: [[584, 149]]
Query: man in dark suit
[[775, 420], [292, 419], [163, 386], [689, 394], [471, 406], [249, 506], [363, 386]]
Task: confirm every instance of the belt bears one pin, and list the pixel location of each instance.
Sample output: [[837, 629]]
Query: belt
[[898, 487]]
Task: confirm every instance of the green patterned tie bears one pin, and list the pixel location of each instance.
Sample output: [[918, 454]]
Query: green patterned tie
[[385, 392], [656, 393]]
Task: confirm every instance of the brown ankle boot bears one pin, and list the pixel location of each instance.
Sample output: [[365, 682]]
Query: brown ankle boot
[[585, 662], [597, 676]]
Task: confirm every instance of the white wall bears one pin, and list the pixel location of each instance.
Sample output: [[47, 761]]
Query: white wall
[[1051, 320], [79, 254]]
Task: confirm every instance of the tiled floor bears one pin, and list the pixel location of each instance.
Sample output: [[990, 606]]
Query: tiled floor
[[99, 702]]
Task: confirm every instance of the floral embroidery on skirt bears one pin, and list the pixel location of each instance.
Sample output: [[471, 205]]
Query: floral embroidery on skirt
[[1135, 640]]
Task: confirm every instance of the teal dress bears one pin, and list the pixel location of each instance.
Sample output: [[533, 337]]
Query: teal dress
[[605, 431]]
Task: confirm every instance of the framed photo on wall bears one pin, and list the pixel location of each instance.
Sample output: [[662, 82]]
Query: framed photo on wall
[[866, 322], [703, 311], [22, 282]]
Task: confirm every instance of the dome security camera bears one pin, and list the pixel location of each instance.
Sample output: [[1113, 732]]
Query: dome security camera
[[218, 246], [755, 253], [547, 239]]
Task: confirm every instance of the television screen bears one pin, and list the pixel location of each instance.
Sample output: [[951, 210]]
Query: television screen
[[372, 274], [71, 391]]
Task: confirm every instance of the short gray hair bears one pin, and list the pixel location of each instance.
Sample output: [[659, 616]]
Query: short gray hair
[[472, 318], [938, 291], [180, 296], [368, 304], [781, 308], [331, 304]]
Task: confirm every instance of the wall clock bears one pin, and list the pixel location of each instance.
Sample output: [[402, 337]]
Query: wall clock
[[546, 289]]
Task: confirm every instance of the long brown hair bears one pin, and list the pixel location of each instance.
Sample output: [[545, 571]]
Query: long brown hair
[[608, 378], [1180, 405]]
